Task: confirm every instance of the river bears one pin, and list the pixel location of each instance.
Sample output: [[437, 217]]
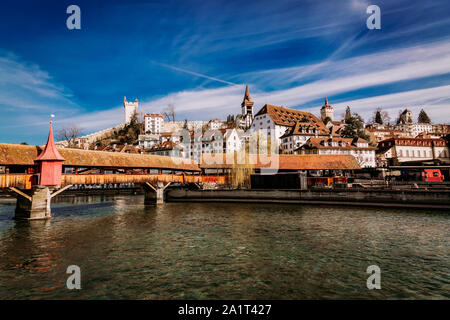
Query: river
[[126, 250]]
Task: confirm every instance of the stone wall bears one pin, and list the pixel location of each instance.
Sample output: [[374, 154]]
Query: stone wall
[[386, 198]]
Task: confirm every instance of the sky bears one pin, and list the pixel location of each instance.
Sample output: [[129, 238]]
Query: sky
[[199, 55]]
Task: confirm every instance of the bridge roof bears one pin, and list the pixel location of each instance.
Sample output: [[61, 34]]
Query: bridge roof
[[16, 154], [288, 162]]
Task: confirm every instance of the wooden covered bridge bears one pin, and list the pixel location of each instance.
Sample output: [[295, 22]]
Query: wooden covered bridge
[[37, 174]]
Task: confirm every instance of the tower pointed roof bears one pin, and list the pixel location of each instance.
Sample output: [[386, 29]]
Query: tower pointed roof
[[326, 105], [247, 99], [50, 152]]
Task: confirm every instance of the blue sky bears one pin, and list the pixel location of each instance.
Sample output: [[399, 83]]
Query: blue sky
[[198, 55]]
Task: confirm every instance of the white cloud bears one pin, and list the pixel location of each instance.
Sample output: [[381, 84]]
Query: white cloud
[[435, 101]]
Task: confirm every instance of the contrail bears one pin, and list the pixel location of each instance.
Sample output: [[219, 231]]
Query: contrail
[[194, 73]]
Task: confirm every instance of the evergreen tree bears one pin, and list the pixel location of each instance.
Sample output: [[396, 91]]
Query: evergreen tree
[[378, 118], [423, 117], [348, 114], [185, 125], [354, 127]]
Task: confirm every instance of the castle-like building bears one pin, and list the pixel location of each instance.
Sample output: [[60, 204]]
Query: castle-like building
[[130, 108], [327, 111]]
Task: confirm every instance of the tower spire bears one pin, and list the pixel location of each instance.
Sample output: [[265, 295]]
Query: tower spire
[[50, 152]]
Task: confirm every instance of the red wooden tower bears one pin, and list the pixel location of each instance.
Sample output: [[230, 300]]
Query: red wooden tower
[[50, 163]]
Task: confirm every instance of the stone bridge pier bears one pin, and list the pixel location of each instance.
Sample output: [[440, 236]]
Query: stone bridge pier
[[35, 203], [155, 194]]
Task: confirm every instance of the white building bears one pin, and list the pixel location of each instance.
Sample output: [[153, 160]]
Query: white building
[[398, 150], [358, 148], [274, 121], [414, 129], [130, 108], [215, 124], [153, 123], [300, 133], [147, 141]]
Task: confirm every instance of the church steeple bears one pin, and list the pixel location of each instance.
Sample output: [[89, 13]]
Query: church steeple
[[247, 103]]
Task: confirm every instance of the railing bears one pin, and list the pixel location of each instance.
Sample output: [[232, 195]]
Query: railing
[[23, 181], [26, 181], [138, 178]]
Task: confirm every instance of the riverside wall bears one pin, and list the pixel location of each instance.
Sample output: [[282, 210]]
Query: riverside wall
[[438, 199]]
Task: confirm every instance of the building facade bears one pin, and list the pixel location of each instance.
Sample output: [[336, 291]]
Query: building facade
[[358, 148], [273, 121], [153, 123], [398, 150]]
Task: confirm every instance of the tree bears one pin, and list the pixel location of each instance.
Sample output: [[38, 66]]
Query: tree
[[423, 117], [69, 134], [378, 118], [348, 114], [169, 113], [185, 125], [381, 117], [354, 127]]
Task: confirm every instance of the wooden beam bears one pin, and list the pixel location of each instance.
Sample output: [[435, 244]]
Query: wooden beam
[[60, 190], [164, 188], [23, 194], [151, 186]]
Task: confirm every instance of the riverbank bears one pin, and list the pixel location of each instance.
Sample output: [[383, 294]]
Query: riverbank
[[436, 199]]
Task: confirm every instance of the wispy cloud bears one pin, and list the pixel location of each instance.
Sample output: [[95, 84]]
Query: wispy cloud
[[436, 102], [342, 76], [193, 73]]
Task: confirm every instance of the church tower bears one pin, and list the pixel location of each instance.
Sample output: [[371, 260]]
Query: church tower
[[327, 111], [130, 108], [247, 104]]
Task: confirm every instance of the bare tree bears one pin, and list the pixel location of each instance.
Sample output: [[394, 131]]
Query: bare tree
[[69, 134], [169, 113]]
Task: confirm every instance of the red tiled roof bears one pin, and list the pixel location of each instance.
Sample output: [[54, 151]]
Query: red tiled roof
[[287, 162], [50, 152], [318, 143], [289, 117]]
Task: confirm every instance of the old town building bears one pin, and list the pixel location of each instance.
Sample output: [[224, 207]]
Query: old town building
[[273, 121], [358, 148], [153, 123], [398, 150], [301, 132]]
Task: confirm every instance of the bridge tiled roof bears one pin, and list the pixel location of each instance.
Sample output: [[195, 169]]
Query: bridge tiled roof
[[288, 162], [16, 154]]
